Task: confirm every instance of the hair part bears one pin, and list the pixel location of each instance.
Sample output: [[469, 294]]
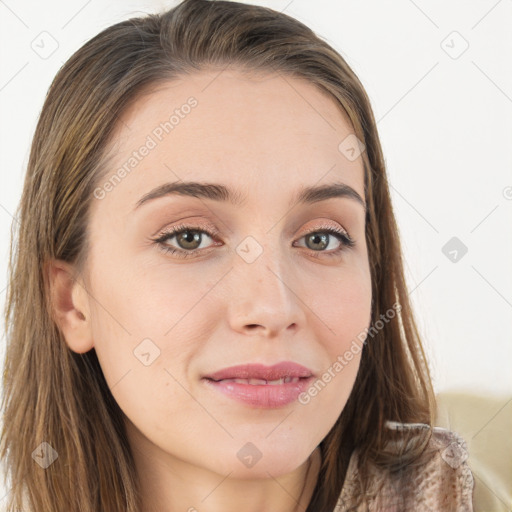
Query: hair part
[[55, 395]]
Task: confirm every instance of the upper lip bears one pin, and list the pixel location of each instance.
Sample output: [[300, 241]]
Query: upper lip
[[260, 371]]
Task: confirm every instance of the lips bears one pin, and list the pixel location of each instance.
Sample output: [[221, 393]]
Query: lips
[[261, 386], [263, 382], [269, 374]]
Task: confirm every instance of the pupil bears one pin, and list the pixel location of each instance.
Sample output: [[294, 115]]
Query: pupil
[[189, 237], [320, 239]]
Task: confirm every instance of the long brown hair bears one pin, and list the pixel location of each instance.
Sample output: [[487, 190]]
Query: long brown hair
[[54, 395]]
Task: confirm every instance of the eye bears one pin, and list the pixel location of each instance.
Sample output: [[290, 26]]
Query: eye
[[188, 239], [321, 238]]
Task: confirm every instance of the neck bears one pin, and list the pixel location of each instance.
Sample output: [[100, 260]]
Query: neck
[[168, 484]]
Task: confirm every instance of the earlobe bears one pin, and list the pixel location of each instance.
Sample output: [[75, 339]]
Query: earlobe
[[70, 306]]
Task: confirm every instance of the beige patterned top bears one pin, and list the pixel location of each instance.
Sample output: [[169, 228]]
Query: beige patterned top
[[440, 481]]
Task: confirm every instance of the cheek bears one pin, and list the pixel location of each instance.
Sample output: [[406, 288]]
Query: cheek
[[343, 310], [147, 324], [342, 302]]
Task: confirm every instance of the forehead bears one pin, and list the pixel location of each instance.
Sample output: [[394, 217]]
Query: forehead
[[257, 132]]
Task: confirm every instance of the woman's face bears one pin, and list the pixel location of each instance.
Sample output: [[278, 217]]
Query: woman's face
[[256, 279]]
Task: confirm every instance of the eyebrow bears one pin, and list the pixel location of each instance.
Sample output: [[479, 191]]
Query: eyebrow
[[218, 192]]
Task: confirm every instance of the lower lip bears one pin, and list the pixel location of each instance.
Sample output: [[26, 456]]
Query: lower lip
[[265, 396]]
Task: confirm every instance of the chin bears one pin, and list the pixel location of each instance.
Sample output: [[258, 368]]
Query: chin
[[262, 458]]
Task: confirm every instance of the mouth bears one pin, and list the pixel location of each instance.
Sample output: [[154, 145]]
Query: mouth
[[261, 386], [270, 374], [262, 382]]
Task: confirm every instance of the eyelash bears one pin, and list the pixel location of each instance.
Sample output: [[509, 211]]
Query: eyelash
[[346, 241]]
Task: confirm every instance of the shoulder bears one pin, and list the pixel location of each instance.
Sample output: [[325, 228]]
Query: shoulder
[[440, 479]]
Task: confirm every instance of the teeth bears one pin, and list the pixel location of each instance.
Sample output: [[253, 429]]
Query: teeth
[[263, 382], [256, 382], [276, 382]]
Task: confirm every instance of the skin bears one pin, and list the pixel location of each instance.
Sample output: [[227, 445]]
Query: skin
[[264, 138]]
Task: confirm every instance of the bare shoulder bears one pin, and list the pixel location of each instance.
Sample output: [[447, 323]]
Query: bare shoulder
[[438, 480]]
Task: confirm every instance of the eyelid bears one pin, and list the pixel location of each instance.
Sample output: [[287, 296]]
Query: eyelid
[[171, 232], [326, 227]]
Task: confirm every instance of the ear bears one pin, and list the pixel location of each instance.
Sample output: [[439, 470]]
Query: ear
[[70, 306]]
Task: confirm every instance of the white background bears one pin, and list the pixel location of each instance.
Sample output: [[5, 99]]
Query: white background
[[445, 122]]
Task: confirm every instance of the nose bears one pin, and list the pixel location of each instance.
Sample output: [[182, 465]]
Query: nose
[[265, 296]]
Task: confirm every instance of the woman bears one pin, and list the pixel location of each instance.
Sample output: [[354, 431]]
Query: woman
[[207, 308]]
